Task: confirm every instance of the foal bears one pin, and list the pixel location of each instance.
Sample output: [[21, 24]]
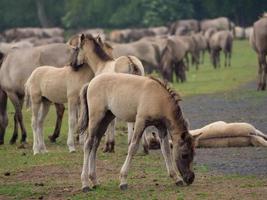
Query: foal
[[134, 99], [90, 52]]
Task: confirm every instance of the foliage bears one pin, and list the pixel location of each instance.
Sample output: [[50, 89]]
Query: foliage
[[126, 13]]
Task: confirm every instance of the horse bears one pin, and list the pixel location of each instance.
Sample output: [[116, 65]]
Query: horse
[[221, 40], [91, 53], [258, 40], [62, 85], [16, 68], [134, 99], [222, 134]]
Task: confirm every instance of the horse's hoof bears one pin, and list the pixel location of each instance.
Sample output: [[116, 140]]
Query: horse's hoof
[[22, 146], [86, 189], [52, 139], [105, 150], [179, 183], [12, 142], [72, 150], [44, 151], [124, 186]]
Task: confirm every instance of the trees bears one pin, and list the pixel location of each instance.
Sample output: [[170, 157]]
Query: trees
[[123, 13]]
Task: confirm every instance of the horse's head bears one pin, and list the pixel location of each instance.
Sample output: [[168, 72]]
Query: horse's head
[[90, 48], [183, 151]]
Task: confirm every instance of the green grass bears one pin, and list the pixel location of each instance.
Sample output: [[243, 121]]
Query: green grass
[[147, 178], [208, 80]]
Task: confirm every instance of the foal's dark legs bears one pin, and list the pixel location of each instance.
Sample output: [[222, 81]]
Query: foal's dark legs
[[60, 112], [3, 115]]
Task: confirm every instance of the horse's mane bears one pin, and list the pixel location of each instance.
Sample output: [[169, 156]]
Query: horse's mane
[[98, 49], [176, 98]]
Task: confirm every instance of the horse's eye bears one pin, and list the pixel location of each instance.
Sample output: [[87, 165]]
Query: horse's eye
[[185, 156]]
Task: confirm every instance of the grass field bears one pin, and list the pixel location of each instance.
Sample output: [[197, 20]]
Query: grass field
[[56, 175]]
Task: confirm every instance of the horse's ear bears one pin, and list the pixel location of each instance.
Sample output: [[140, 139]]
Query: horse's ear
[[81, 39], [108, 45], [98, 38]]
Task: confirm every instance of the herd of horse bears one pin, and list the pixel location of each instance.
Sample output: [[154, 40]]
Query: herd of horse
[[92, 75]]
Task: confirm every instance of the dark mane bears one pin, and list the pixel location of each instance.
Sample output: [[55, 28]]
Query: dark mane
[[176, 98], [98, 49]]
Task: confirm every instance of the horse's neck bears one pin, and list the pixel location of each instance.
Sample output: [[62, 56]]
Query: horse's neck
[[104, 67]]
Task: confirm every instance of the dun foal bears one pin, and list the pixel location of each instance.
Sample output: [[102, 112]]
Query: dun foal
[[134, 99], [91, 53]]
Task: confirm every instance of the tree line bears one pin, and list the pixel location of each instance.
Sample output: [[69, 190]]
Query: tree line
[[109, 14]]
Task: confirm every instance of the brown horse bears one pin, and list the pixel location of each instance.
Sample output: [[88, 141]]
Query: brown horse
[[134, 99]]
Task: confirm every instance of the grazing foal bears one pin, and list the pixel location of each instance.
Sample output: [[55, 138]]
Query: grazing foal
[[134, 99]]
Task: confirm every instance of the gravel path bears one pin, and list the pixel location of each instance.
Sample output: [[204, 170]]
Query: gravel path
[[242, 105]]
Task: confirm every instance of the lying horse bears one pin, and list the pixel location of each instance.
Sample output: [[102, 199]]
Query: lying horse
[[134, 99], [221, 134], [62, 85]]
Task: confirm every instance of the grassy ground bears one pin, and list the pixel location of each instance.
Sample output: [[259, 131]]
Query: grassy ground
[[56, 175], [207, 80]]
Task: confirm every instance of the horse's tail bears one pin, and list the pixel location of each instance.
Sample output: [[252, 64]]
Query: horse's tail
[[83, 115], [136, 67], [27, 99]]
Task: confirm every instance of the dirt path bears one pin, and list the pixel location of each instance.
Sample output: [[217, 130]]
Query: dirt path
[[243, 105]]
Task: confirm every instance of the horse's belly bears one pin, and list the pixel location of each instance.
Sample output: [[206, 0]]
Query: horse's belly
[[225, 142], [54, 93], [126, 114]]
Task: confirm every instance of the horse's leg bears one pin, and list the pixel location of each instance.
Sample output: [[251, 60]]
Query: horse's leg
[[72, 112], [225, 58], [203, 56], [219, 58], [145, 142], [166, 152], [60, 111], [264, 74], [20, 120], [35, 106], [92, 133], [259, 133], [40, 124], [133, 147], [3, 115], [130, 127], [16, 103], [105, 122], [258, 141], [187, 62], [260, 71], [110, 137]]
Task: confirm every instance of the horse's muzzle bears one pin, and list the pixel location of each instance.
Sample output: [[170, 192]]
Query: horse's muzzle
[[189, 178]]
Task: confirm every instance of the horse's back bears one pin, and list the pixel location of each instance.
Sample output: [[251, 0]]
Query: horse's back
[[20, 63], [125, 94]]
